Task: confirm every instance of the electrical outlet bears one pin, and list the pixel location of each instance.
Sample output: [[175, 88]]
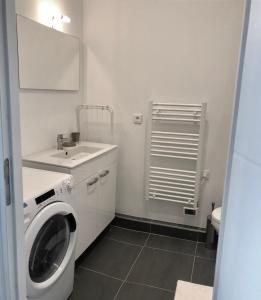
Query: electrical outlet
[[138, 118], [190, 211]]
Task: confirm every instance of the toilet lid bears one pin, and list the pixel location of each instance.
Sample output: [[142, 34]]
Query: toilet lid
[[216, 214]]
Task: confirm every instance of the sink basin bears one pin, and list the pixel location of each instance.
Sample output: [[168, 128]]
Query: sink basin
[[76, 153], [69, 157]]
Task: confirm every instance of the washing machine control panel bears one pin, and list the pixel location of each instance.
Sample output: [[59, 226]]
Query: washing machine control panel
[[60, 192], [64, 189]]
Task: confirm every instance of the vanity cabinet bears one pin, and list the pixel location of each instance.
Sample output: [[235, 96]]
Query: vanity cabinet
[[95, 200], [106, 197], [86, 198]]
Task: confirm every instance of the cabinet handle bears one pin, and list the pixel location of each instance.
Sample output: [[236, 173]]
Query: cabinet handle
[[104, 173], [93, 181]]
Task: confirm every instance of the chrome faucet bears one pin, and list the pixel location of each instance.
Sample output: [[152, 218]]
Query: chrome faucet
[[64, 142], [60, 141]]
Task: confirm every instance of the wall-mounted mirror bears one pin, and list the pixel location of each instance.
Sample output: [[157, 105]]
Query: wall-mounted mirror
[[48, 59]]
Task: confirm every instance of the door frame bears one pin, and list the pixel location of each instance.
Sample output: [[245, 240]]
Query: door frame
[[12, 281], [221, 245]]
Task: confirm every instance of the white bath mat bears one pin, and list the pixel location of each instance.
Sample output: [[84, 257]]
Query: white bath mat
[[191, 291]]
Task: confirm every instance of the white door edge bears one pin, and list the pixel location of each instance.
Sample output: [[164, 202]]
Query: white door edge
[[231, 146], [12, 279]]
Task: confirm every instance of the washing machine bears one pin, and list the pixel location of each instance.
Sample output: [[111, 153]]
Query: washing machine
[[50, 234]]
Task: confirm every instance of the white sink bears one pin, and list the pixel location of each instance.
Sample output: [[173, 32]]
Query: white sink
[[69, 157], [78, 152]]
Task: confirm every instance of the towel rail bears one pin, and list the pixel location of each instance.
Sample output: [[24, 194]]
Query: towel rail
[[177, 148], [171, 191], [173, 143], [175, 133], [173, 114], [175, 119], [169, 200], [173, 152], [173, 174], [172, 178], [173, 170], [176, 184], [172, 187], [172, 196], [173, 156], [177, 109], [175, 138], [102, 107], [177, 104]]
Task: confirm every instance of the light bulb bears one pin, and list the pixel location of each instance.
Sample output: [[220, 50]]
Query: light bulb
[[65, 19]]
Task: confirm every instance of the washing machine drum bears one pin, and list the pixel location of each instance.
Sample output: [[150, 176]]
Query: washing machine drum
[[50, 242]]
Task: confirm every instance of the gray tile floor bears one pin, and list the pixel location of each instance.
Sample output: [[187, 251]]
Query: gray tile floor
[[132, 265]]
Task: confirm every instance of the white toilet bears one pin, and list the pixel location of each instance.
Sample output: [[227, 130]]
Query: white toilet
[[216, 217]]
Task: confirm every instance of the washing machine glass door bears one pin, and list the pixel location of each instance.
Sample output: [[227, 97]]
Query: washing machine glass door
[[50, 243], [49, 248]]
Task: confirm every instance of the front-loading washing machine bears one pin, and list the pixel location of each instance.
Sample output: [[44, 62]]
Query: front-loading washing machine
[[50, 234]]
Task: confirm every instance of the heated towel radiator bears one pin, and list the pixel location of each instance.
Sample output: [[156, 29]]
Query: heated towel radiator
[[175, 144]]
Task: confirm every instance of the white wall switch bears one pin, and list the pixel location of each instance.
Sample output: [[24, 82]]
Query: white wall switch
[[206, 175], [138, 118]]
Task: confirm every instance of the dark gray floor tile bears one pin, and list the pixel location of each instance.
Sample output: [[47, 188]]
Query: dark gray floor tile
[[92, 286], [128, 236], [172, 244], [161, 268], [130, 291], [204, 271], [202, 251], [176, 232], [112, 258], [202, 237], [128, 223]]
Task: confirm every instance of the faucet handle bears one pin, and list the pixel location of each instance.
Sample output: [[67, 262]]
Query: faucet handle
[[59, 136]]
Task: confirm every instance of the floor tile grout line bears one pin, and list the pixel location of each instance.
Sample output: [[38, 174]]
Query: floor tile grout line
[[101, 273], [173, 237], [146, 241], [199, 230], [123, 242], [192, 271], [206, 258], [155, 248], [124, 228], [196, 248], [167, 236], [151, 286], [132, 266], [125, 280], [131, 282], [170, 251]]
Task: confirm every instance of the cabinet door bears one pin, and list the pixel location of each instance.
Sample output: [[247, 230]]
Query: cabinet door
[[86, 201], [107, 194]]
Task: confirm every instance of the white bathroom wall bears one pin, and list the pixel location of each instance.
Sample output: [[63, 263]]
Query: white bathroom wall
[[239, 260], [178, 51], [44, 114]]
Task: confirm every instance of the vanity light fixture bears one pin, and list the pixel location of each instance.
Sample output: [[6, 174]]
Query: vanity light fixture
[[60, 18], [65, 19]]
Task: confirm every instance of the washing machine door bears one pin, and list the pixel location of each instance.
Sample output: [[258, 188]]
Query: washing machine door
[[50, 242]]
